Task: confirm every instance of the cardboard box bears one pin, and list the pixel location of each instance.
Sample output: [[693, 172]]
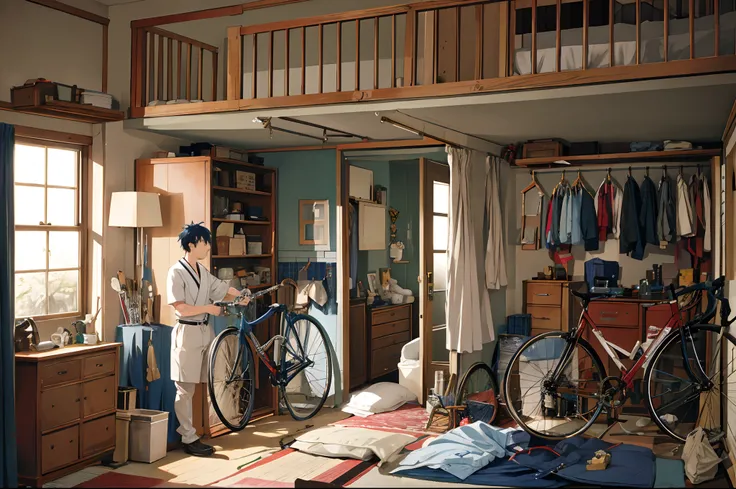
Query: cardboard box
[[223, 245], [237, 245], [245, 180]]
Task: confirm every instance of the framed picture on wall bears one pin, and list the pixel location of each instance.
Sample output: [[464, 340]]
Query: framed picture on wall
[[314, 223], [372, 281]]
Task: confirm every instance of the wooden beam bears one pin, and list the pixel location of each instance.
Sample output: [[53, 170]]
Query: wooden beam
[[234, 64], [105, 54], [68, 9], [53, 136]]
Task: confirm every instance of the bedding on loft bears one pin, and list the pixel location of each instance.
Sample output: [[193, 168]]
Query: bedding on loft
[[652, 44]]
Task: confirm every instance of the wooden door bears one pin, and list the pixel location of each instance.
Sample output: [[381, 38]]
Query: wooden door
[[434, 200]]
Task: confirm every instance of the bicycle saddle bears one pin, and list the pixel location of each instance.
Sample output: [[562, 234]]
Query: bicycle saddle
[[589, 296]]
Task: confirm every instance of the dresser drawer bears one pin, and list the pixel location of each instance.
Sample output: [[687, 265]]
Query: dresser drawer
[[544, 294], [391, 339], [98, 365], [545, 317], [390, 315], [99, 396], [385, 360], [98, 435], [59, 406], [60, 372], [59, 449], [390, 328], [614, 314]]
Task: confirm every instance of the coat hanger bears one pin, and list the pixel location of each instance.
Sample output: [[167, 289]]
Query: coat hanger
[[532, 184], [664, 172], [629, 172]]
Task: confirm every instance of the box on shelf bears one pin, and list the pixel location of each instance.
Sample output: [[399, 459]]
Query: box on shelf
[[97, 99], [223, 245], [265, 274], [237, 245], [31, 95], [245, 180], [543, 148], [252, 279], [255, 245]]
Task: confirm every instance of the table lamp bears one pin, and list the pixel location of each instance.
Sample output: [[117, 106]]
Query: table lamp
[[136, 210]]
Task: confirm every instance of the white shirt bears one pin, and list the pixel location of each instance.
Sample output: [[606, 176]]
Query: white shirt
[[684, 210], [194, 287]]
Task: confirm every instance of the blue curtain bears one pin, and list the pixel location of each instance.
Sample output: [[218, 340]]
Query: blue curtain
[[8, 451]]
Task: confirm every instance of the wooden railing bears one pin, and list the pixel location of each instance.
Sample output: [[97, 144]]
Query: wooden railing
[[455, 47], [171, 67]]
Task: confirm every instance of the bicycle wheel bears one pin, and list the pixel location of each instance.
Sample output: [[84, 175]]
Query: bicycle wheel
[[677, 403], [479, 385], [557, 409], [306, 367], [231, 382]]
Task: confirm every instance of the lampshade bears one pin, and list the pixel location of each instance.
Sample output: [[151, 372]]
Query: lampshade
[[135, 210]]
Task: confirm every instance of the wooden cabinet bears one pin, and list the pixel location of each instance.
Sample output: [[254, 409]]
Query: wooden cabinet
[[389, 331], [551, 305], [358, 342], [65, 402]]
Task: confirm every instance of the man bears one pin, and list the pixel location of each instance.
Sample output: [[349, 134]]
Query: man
[[192, 290]]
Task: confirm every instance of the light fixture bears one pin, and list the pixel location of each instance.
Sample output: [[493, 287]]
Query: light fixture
[[135, 210]]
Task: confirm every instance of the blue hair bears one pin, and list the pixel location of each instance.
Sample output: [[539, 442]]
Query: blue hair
[[193, 234]]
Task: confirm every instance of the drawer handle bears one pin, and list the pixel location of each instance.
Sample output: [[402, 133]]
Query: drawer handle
[[62, 372], [103, 391], [52, 447], [609, 314], [77, 400], [543, 318], [107, 428], [98, 365], [71, 441], [542, 295], [85, 398]]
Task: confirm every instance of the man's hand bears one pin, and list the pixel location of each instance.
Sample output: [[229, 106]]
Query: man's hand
[[214, 310], [244, 301]]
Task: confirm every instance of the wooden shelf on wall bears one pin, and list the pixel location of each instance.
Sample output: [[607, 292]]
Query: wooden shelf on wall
[[241, 191], [70, 111], [244, 223], [246, 257], [640, 156]]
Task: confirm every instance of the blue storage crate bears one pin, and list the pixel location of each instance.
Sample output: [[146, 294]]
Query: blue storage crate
[[520, 324]]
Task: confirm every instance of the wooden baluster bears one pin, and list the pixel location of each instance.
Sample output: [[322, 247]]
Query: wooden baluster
[[479, 12], [611, 38], [638, 31], [286, 63], [410, 48], [304, 61], [691, 17], [320, 46], [160, 69], [357, 54], [586, 19], [270, 64], [436, 53], [457, 43], [716, 26], [512, 39], [255, 67], [558, 35], [200, 74], [338, 65], [375, 53], [178, 71], [215, 70], [666, 39], [151, 72], [170, 70], [534, 36], [393, 51], [188, 71], [234, 65]]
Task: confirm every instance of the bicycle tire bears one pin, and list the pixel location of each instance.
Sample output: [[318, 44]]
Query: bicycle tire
[[460, 395], [506, 385], [215, 348], [671, 338], [294, 414]]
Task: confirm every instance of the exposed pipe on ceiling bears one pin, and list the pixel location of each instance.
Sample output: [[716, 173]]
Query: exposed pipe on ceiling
[[266, 122], [450, 129], [417, 132], [337, 132]]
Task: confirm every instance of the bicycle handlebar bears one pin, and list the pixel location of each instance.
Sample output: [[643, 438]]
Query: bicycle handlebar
[[246, 293], [714, 290]]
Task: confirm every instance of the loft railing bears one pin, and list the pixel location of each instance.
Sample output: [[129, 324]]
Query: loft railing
[[455, 47]]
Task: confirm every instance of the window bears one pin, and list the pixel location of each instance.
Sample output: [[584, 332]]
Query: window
[[49, 230]]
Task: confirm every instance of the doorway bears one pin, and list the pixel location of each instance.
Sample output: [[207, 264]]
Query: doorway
[[393, 232]]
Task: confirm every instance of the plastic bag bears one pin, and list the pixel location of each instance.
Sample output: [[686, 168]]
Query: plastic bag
[[701, 461]]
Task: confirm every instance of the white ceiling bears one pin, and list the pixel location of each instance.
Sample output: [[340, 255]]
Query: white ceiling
[[693, 108]]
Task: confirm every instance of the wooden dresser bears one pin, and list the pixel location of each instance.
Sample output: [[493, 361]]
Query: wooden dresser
[[551, 305], [358, 342], [65, 403], [390, 330]]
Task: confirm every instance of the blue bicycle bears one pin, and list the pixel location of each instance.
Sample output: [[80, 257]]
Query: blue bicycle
[[301, 367]]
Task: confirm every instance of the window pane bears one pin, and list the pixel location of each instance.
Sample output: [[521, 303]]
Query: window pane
[[30, 294], [440, 271], [441, 198], [30, 250], [63, 249], [30, 164], [62, 167], [29, 205], [62, 205], [440, 228], [63, 292]]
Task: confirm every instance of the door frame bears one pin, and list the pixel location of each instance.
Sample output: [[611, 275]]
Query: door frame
[[343, 248]]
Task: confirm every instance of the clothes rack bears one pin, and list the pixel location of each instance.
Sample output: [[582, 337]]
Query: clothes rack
[[600, 168]]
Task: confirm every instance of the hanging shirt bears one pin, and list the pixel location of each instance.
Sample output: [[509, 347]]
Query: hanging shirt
[[566, 218], [666, 214], [548, 227], [684, 210], [648, 212], [604, 208], [576, 233], [631, 236], [588, 222], [618, 199], [706, 214]]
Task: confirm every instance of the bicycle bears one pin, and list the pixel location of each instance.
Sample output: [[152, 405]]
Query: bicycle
[[295, 369], [567, 399]]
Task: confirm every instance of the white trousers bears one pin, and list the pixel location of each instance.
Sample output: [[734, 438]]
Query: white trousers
[[184, 412]]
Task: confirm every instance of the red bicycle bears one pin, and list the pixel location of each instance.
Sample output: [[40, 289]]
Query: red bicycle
[[556, 385]]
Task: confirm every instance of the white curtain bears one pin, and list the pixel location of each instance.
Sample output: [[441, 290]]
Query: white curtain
[[467, 307], [495, 257]]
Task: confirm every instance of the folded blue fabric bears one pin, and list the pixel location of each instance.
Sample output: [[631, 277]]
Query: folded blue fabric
[[670, 473]]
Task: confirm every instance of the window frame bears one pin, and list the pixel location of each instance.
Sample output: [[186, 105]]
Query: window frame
[[53, 140]]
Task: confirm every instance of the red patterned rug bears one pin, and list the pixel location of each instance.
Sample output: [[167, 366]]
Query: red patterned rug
[[409, 418]]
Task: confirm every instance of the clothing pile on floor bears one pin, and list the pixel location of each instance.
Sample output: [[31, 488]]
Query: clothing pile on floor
[[636, 215]]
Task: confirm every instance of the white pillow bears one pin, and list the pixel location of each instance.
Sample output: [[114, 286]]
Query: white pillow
[[379, 398], [356, 443]]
